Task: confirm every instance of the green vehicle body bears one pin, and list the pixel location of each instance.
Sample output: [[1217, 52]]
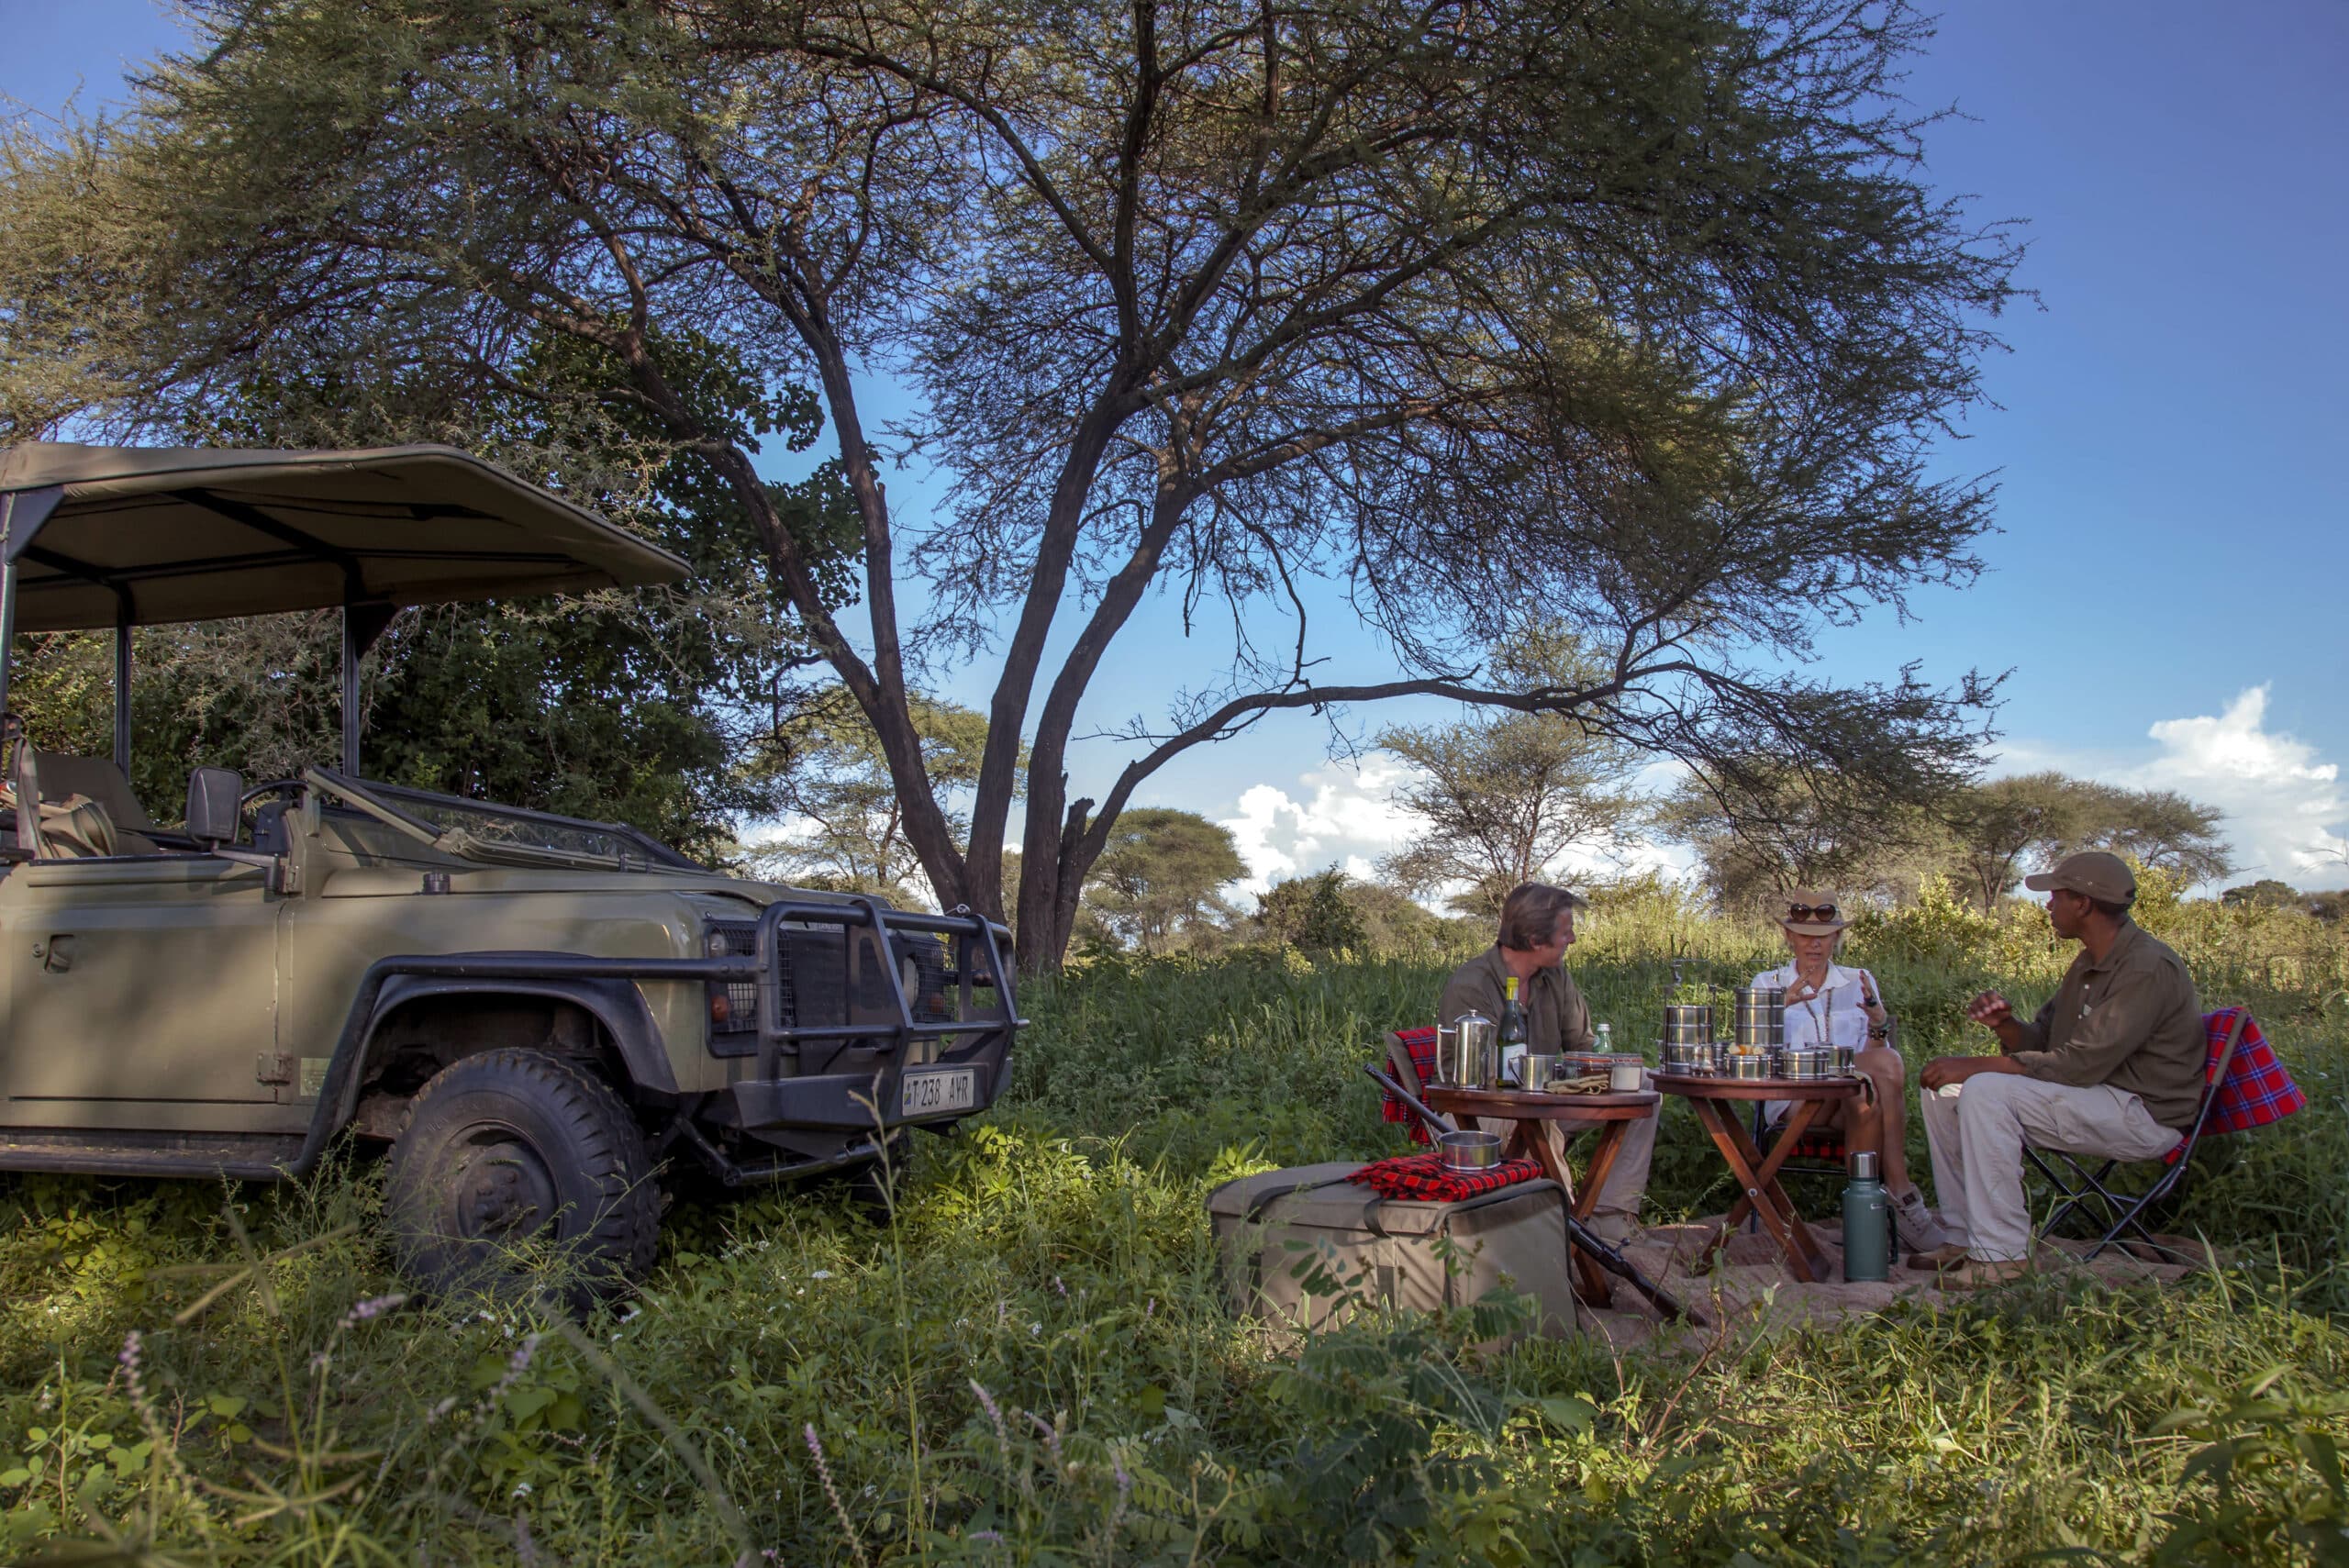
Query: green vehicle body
[[301, 960]]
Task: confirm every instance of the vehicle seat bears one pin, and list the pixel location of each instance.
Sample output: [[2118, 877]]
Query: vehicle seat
[[97, 779], [74, 823]]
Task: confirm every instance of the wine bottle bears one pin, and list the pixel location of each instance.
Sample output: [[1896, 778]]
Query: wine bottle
[[1513, 1037]]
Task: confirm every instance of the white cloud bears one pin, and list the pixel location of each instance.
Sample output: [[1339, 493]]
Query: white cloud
[[2283, 806], [1344, 813]]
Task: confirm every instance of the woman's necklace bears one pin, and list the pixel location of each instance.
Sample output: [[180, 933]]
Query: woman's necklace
[[1807, 992]]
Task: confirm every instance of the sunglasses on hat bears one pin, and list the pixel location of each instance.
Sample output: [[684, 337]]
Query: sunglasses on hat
[[1810, 911]]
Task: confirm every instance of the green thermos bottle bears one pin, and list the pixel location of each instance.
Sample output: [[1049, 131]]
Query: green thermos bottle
[[1867, 1221]]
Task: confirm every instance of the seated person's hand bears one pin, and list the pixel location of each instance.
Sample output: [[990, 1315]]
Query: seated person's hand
[[1989, 1010], [1942, 1070]]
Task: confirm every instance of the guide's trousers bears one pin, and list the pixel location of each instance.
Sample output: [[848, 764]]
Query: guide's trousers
[[1977, 1135]]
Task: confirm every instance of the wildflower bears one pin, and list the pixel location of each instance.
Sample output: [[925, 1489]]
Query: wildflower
[[317, 1362], [992, 1537], [374, 1306], [1058, 1286], [1147, 1307], [821, 1273], [521, 1489], [840, 1510], [1034, 1329]]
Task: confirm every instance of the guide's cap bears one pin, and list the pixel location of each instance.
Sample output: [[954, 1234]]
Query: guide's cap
[[2093, 873]]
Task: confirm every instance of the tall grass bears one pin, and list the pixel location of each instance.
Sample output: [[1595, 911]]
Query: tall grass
[[1033, 1362]]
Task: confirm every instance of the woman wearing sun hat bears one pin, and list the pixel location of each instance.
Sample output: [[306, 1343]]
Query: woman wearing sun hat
[[1829, 1004]]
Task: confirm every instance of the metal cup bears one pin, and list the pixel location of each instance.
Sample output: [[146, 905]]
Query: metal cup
[[1536, 1068]]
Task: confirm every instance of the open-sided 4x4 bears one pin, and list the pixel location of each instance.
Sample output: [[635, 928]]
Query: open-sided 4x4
[[533, 1011]]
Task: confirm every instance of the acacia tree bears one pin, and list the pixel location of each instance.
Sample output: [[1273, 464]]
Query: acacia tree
[[2004, 825], [1632, 315], [1160, 881], [1503, 794]]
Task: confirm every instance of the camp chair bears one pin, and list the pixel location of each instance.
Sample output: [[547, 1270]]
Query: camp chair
[[2244, 1086], [1411, 1057]]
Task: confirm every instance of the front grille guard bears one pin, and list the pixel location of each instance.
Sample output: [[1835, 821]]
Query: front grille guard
[[971, 938]]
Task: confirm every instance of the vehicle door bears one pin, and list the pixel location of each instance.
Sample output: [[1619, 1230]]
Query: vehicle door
[[143, 994]]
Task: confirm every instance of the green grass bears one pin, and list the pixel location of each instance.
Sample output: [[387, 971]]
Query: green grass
[[1034, 1364]]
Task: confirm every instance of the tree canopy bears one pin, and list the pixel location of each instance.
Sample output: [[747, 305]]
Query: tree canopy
[[1635, 317], [1159, 884]]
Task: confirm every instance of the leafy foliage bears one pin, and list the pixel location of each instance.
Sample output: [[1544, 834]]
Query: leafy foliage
[[1159, 884], [636, 706], [1644, 333]]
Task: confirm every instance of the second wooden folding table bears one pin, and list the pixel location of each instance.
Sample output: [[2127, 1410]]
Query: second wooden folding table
[[1716, 1102]]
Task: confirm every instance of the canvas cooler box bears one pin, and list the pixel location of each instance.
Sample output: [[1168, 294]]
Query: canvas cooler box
[[1273, 1228]]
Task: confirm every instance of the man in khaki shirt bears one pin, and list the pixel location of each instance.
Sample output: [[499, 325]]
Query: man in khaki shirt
[[2112, 1065], [1537, 926]]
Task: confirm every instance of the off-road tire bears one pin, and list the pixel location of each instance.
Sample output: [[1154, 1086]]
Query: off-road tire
[[512, 1146]]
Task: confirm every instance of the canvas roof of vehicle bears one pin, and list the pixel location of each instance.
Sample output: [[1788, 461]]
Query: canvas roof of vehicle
[[185, 534]]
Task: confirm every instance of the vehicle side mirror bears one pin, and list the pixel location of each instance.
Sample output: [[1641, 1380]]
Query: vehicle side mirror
[[212, 797]]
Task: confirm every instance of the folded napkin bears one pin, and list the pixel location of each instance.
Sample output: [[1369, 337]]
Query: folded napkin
[[1422, 1178]]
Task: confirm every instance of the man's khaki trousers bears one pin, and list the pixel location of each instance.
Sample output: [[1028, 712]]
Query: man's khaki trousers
[[1976, 1138]]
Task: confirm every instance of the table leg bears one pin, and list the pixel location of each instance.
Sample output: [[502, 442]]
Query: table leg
[[1763, 1197], [1591, 1285]]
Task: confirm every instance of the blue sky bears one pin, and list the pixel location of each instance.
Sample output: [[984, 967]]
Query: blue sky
[[2168, 440]]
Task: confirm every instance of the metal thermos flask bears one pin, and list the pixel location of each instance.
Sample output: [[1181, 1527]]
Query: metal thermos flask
[[1867, 1221]]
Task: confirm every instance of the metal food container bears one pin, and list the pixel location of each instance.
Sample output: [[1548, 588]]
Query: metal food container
[[1694, 1060], [1469, 1150], [1844, 1054], [1806, 1065], [1761, 1018], [1748, 1066], [1687, 1024]]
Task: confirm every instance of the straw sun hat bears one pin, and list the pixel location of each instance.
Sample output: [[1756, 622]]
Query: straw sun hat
[[1809, 913]]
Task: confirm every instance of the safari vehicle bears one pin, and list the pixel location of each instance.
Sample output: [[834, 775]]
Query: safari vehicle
[[534, 1012]]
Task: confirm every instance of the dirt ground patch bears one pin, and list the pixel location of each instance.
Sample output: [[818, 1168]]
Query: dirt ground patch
[[1752, 1286]]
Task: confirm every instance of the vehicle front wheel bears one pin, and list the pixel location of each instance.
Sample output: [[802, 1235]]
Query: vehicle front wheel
[[515, 1152]]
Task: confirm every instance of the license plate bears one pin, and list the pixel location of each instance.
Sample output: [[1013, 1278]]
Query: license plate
[[924, 1093]]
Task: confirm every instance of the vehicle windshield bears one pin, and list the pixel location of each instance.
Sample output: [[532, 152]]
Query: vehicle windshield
[[504, 835]]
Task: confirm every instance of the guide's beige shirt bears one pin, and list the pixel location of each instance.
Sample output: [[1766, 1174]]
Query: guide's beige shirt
[[2130, 1020], [1556, 1018]]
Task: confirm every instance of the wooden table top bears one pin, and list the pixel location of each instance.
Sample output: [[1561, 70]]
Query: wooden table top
[[1526, 1106], [1704, 1086]]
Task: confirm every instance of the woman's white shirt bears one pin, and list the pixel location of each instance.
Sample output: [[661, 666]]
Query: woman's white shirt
[[1836, 1015]]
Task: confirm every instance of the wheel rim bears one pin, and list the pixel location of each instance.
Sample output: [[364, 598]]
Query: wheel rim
[[499, 1187]]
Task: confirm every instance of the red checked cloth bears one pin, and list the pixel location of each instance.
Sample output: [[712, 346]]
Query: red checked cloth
[[2257, 1090], [1421, 1178], [1420, 1043]]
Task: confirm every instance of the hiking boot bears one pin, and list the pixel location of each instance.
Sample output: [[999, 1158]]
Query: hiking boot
[[1915, 1224], [1983, 1274], [1947, 1256]]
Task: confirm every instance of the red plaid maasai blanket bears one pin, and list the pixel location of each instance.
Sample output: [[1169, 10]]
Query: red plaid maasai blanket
[[2257, 1090], [1421, 1178], [1420, 1043]]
